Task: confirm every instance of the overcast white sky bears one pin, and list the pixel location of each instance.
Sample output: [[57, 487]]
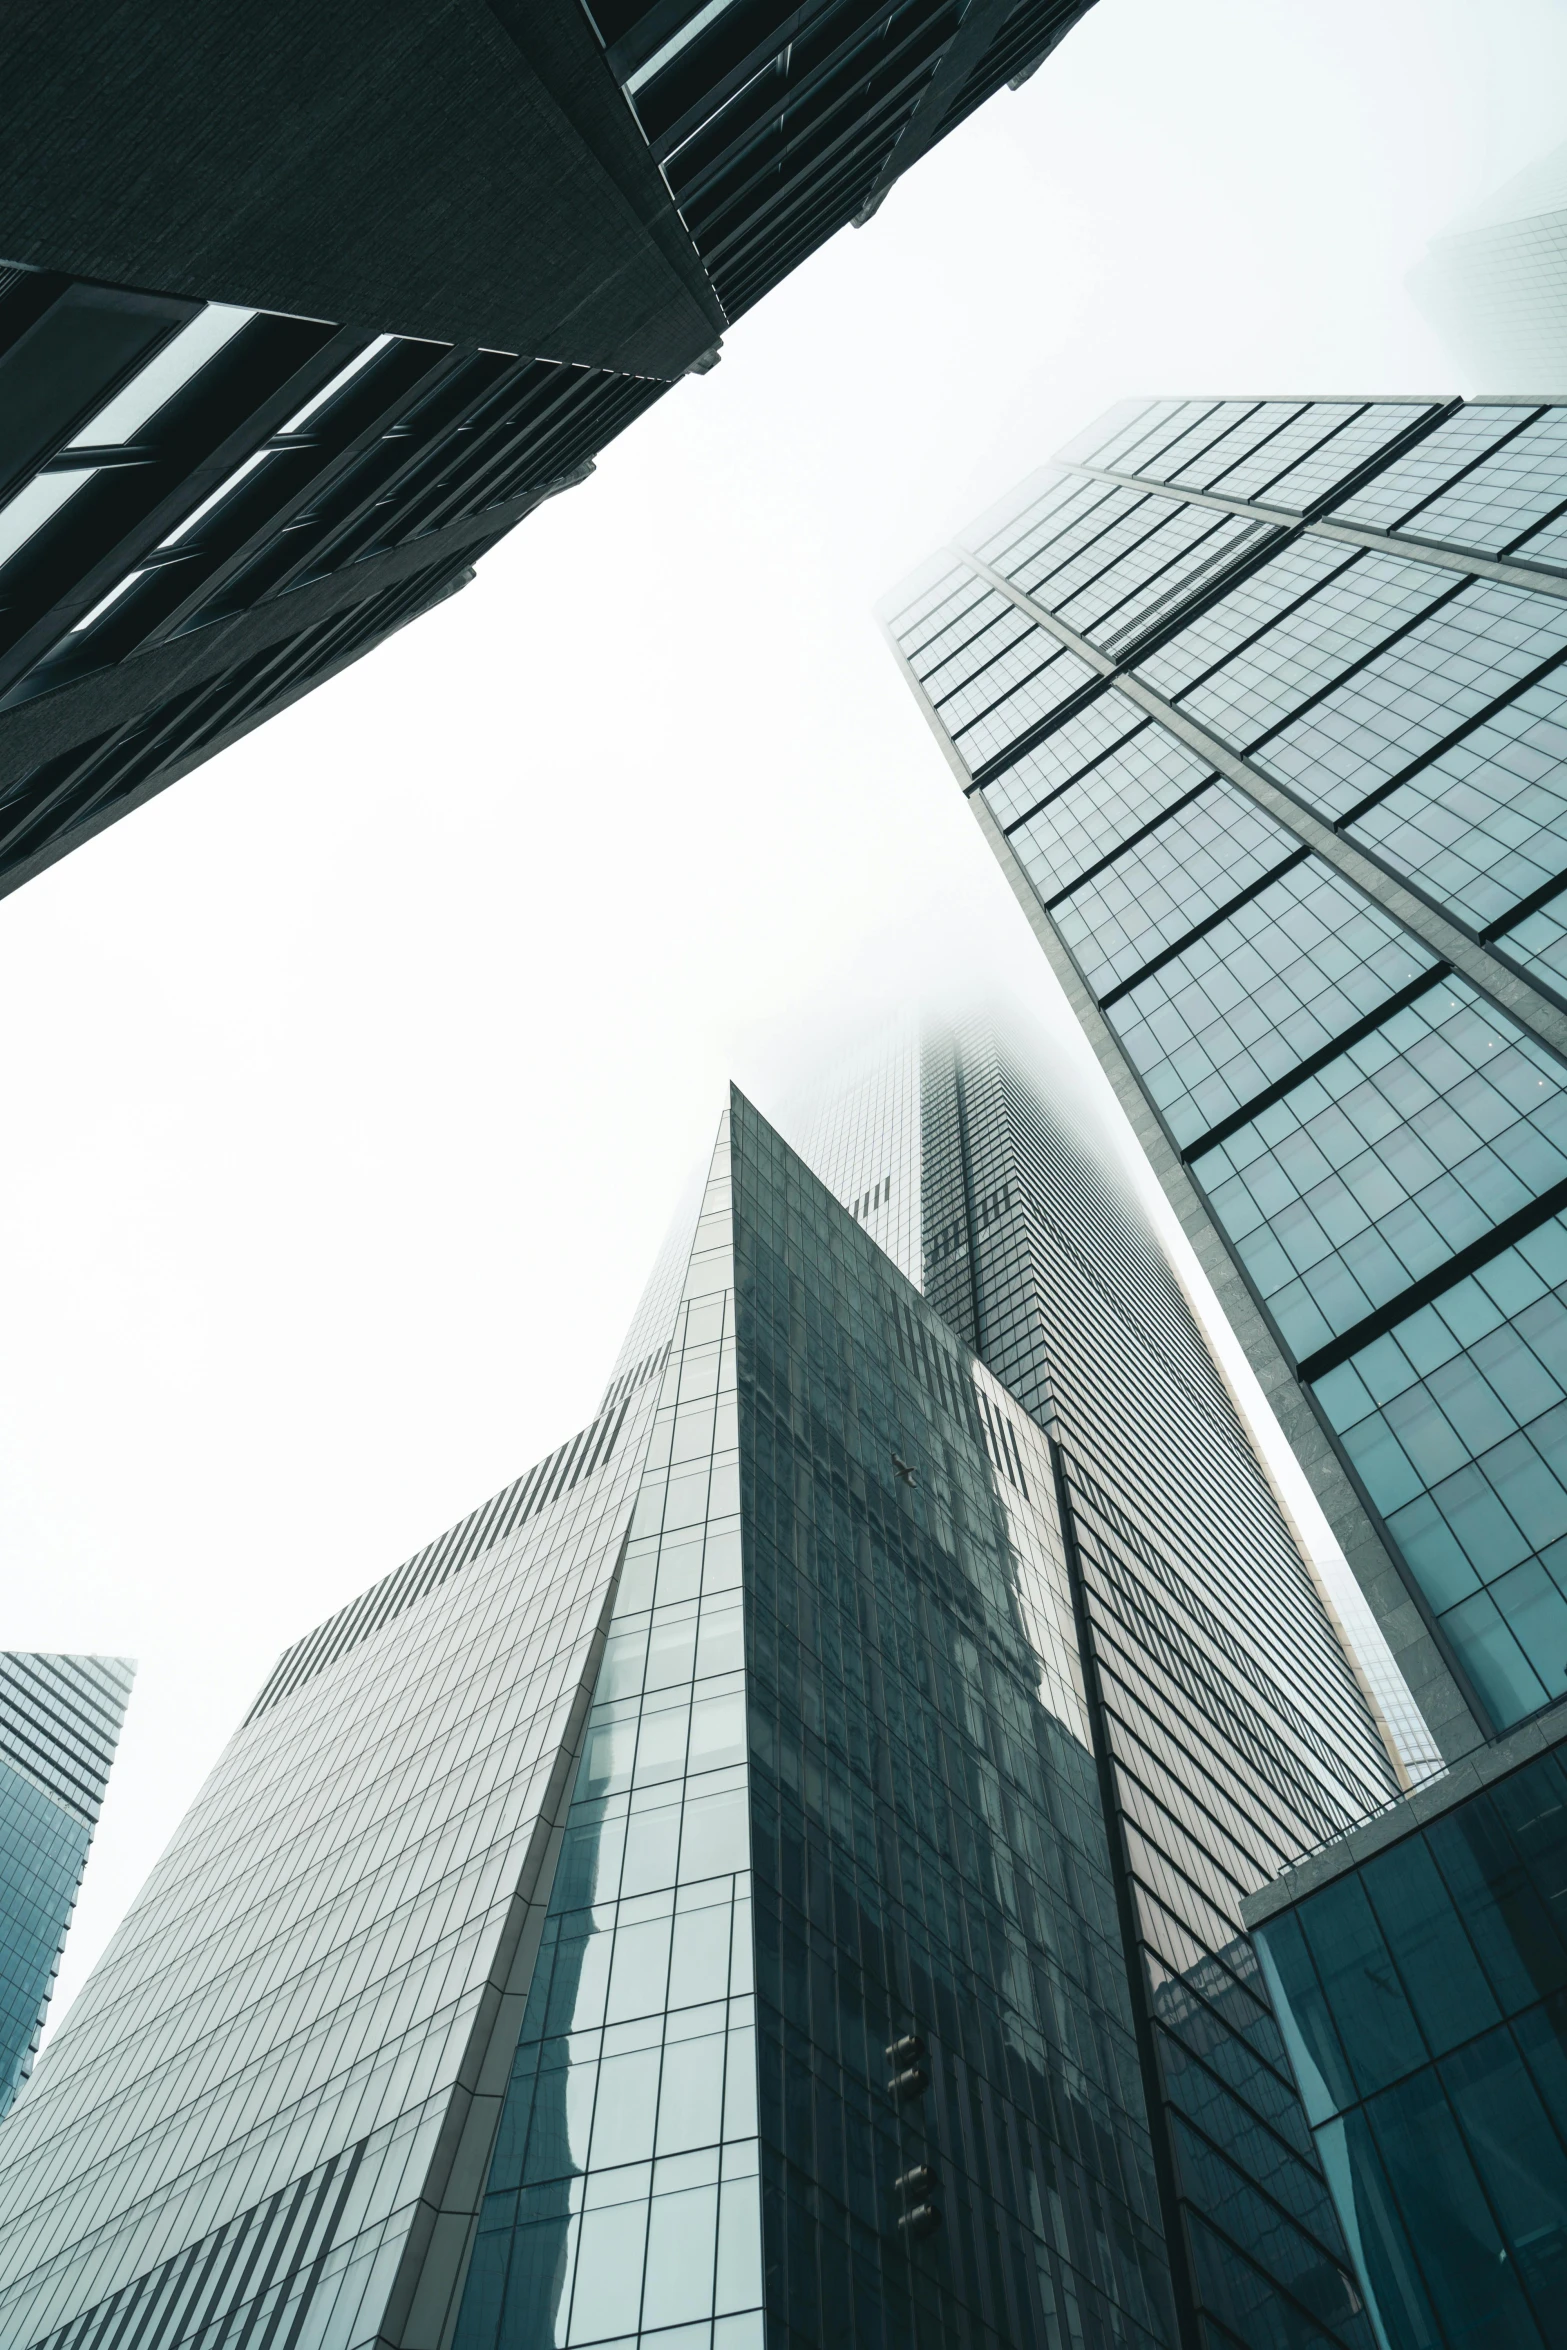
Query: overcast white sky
[[350, 1084]]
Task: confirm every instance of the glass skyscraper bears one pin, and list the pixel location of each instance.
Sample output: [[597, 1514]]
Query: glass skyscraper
[[60, 1722], [773, 1875], [1419, 1969], [1260, 705], [1495, 282], [1226, 1728]]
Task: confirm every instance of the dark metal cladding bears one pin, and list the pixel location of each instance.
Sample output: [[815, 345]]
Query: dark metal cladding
[[500, 230]]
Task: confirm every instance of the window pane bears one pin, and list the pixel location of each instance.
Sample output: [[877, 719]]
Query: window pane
[[609, 2272], [681, 2243], [690, 2105], [652, 1841], [1521, 2162], [739, 2246], [641, 1970], [1449, 2220], [699, 1964], [627, 2103], [1441, 1974], [1373, 2018], [715, 1840]]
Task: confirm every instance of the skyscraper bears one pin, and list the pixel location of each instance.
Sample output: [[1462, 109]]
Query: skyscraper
[[59, 1725], [1259, 704], [297, 318], [1226, 1729], [1418, 1967], [1495, 282], [774, 1873]]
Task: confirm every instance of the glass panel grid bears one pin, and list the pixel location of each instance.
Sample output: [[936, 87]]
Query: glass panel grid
[[1228, 1715], [971, 616], [1171, 426], [1261, 685], [1149, 429], [1432, 680], [1120, 425], [1485, 825], [1421, 1995], [310, 1960], [929, 613], [1000, 683], [1473, 512], [1457, 1423], [1064, 564], [1105, 721], [1230, 433], [1058, 677], [1316, 475], [1369, 1175], [1163, 569], [1539, 943], [929, 1855], [1196, 861], [1066, 518], [59, 1725], [1301, 963], [1244, 613], [981, 637], [1128, 790], [622, 2198], [1062, 493], [1282, 434]]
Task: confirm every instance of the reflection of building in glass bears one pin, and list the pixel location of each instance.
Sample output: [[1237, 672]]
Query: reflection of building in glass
[[1495, 283], [1419, 1968], [773, 1874], [297, 321], [59, 1725], [906, 1850], [1227, 1730], [1260, 704]]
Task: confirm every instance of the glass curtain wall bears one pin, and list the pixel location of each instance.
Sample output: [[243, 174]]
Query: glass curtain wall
[[1230, 1730], [1424, 1995], [621, 2203], [59, 1725], [955, 2147], [1261, 706], [831, 2014]]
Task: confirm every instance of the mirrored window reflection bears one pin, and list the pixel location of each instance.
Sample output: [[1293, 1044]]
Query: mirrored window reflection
[[622, 2200], [926, 1820], [1424, 2000]]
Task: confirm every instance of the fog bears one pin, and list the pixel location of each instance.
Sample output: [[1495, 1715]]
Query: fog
[[350, 1083]]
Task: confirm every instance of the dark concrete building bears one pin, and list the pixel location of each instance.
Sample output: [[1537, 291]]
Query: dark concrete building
[[301, 311]]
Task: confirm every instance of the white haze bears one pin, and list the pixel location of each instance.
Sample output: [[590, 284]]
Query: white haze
[[349, 1084]]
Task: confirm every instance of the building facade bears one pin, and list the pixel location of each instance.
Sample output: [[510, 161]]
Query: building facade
[[60, 1722], [1419, 1969], [1494, 284], [774, 1874], [1258, 703], [1226, 1726], [298, 319]]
